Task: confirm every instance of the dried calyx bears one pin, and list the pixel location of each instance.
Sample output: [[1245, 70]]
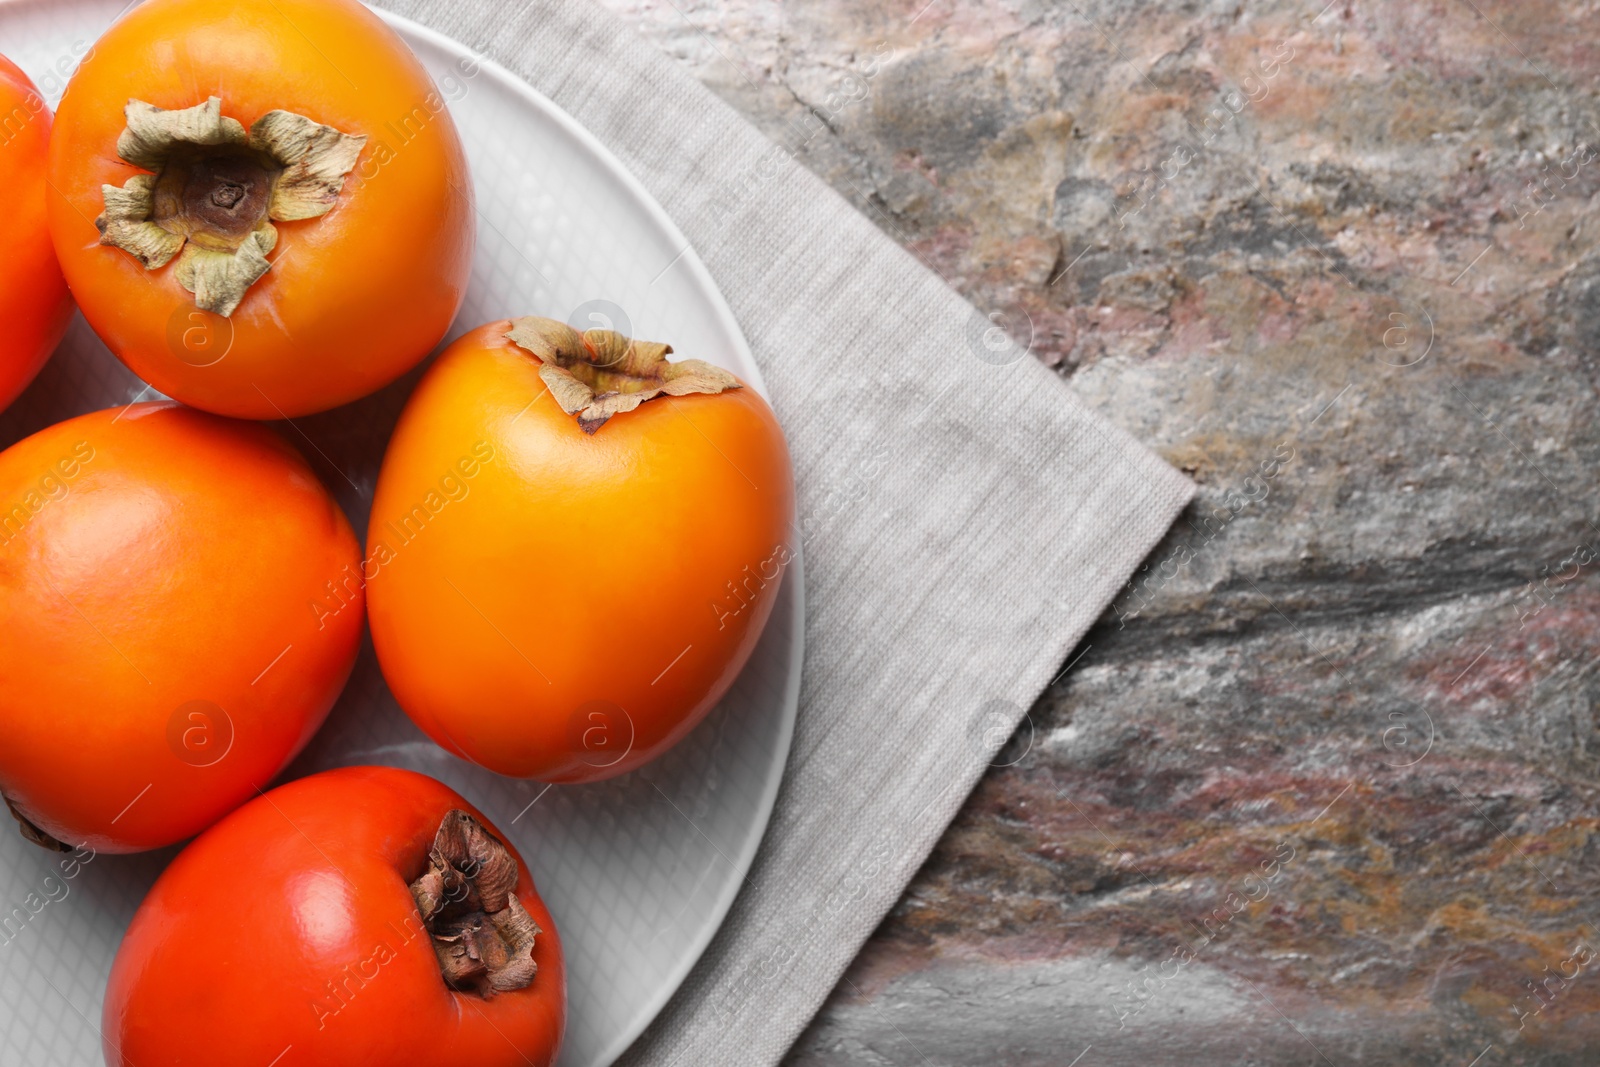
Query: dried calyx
[[214, 190], [32, 832], [481, 933], [600, 373]]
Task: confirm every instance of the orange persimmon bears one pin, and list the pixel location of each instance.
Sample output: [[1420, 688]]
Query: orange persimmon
[[34, 305], [574, 546], [165, 648], [262, 206], [366, 915]]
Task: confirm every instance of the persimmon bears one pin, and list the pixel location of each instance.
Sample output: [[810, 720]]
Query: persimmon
[[34, 304], [263, 206], [168, 637], [574, 546], [366, 915]]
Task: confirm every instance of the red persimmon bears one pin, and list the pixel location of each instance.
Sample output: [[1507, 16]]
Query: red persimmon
[[332, 922]]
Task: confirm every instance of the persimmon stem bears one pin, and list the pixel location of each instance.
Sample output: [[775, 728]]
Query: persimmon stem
[[32, 832], [600, 373], [214, 189], [481, 933]]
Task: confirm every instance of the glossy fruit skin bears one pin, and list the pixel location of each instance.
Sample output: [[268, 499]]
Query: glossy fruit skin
[[289, 924], [167, 638], [572, 615], [34, 303], [354, 298]]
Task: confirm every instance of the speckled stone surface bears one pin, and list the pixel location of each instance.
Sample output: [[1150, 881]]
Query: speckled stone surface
[[1320, 788]]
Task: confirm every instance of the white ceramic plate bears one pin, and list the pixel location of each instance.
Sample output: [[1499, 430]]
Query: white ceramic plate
[[639, 871]]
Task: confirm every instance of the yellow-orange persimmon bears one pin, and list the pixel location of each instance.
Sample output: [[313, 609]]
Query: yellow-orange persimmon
[[574, 546], [164, 650], [262, 206], [34, 305]]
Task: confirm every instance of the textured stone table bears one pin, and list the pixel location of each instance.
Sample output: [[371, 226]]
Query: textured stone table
[[1320, 788]]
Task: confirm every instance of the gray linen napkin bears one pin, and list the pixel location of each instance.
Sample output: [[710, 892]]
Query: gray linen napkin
[[963, 519]]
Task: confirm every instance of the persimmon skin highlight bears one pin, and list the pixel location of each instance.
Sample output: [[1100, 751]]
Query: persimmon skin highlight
[[167, 639], [575, 604], [290, 924], [35, 306], [354, 298]]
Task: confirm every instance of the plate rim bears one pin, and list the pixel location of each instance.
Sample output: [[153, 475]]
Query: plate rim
[[795, 576]]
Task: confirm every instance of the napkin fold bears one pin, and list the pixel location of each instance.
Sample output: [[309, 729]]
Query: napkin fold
[[963, 519]]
